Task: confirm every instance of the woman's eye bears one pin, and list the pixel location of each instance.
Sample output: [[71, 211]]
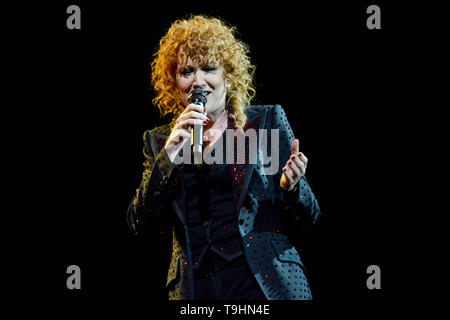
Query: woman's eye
[[208, 68], [186, 72]]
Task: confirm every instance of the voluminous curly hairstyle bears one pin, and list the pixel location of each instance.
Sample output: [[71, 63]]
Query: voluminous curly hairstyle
[[204, 40]]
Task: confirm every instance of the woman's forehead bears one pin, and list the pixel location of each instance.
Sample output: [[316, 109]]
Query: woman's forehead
[[187, 60]]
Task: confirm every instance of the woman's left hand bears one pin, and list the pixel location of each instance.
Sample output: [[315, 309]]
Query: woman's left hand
[[294, 169]]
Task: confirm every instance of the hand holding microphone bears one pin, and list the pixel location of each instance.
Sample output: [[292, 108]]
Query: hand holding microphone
[[197, 97], [189, 126]]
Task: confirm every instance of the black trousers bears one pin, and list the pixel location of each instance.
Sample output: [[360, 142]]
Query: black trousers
[[218, 279]]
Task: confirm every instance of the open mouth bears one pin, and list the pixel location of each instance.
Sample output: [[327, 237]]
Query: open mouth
[[207, 93]]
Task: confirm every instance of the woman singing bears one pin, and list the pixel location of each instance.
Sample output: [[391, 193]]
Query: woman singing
[[230, 221]]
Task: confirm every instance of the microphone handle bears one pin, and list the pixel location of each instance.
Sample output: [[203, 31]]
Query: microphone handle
[[197, 142]]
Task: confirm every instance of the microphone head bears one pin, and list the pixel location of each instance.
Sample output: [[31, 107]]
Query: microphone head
[[197, 96]]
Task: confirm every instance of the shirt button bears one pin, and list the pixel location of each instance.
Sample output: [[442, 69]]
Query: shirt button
[[157, 193]]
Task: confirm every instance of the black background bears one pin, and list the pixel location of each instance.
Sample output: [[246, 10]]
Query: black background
[[362, 102]]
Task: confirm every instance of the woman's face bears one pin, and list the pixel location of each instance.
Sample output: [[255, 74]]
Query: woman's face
[[209, 78]]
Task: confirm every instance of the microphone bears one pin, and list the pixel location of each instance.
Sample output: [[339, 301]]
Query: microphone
[[197, 96]]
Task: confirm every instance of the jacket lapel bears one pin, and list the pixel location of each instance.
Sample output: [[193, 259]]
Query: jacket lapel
[[243, 172]]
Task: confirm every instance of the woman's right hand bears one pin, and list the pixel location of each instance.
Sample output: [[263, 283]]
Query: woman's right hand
[[181, 133]]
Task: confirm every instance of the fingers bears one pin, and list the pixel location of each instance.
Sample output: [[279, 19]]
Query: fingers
[[181, 130], [192, 115], [193, 111], [182, 135], [295, 168], [185, 124], [176, 141], [300, 161], [193, 107], [289, 177], [303, 158], [295, 146]]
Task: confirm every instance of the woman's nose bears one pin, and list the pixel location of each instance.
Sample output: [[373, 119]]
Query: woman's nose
[[199, 80]]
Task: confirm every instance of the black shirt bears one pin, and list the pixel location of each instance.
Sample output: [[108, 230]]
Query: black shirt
[[220, 267], [211, 210]]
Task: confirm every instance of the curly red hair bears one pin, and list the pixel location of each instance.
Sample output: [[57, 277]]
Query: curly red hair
[[201, 38]]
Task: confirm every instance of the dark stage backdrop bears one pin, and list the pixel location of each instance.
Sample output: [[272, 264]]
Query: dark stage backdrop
[[362, 102]]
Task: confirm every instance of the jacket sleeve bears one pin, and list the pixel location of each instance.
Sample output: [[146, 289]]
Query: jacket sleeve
[[299, 202], [154, 190]]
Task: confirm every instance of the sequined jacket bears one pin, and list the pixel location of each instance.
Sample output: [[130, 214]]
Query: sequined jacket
[[266, 215]]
